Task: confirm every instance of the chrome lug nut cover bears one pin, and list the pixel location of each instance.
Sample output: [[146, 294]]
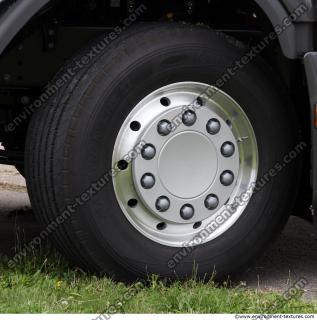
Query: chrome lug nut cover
[[189, 118], [162, 204], [227, 149], [164, 128], [211, 202], [148, 152], [187, 212], [148, 181], [213, 126], [227, 178]]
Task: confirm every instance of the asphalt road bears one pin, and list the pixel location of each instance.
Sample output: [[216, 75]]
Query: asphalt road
[[291, 257]]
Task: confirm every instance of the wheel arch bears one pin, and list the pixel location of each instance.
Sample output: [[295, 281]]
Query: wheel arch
[[15, 16], [295, 41], [297, 38]]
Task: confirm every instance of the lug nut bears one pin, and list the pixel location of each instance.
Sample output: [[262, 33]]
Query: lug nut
[[148, 181], [227, 149], [227, 178], [189, 118], [211, 202], [148, 152], [213, 126], [187, 211], [164, 128], [162, 204]]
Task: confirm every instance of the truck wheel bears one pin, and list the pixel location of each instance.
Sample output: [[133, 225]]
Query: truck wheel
[[140, 165]]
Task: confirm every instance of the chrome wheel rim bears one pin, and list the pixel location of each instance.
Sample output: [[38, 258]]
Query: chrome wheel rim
[[185, 159]]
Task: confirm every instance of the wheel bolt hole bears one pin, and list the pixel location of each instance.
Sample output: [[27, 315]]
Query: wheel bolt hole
[[197, 225], [123, 165], [200, 101], [161, 226], [135, 126], [132, 203], [229, 123], [166, 102]]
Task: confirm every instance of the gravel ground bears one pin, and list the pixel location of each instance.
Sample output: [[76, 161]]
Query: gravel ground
[[291, 257]]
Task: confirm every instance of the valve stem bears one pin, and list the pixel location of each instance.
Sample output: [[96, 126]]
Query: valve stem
[[131, 6]]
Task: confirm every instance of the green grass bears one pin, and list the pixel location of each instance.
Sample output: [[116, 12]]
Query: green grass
[[44, 283]]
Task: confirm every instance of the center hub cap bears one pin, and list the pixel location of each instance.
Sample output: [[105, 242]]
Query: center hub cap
[[187, 164]]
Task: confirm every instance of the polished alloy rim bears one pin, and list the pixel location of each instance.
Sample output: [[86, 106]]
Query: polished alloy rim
[[184, 158]]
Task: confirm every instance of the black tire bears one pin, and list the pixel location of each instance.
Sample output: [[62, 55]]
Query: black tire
[[70, 143]]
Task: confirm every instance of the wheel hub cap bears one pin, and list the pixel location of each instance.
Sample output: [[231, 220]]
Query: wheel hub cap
[[190, 165], [187, 164]]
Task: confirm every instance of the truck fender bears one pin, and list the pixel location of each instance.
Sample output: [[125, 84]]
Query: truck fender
[[15, 16], [296, 40]]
